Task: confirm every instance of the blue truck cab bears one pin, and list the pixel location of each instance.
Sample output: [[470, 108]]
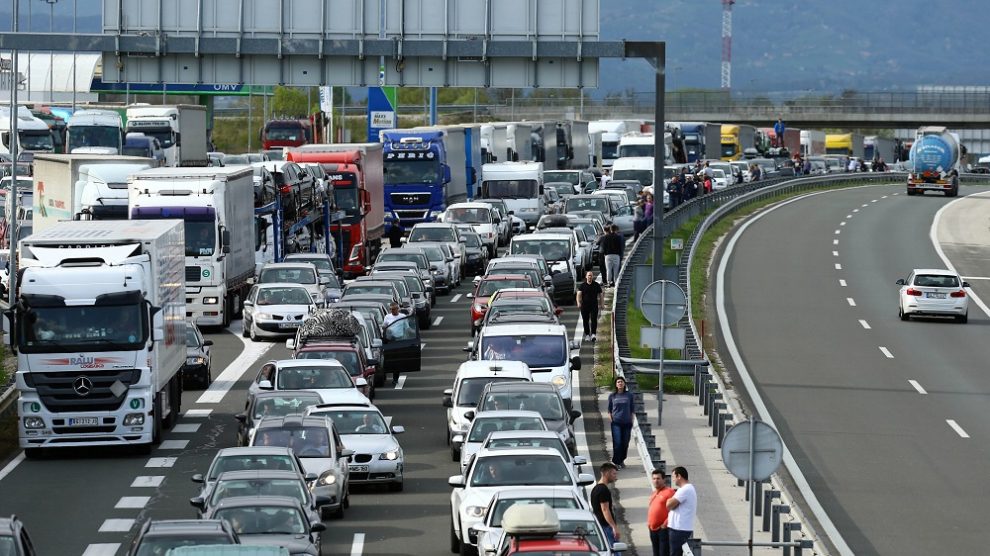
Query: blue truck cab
[[417, 175]]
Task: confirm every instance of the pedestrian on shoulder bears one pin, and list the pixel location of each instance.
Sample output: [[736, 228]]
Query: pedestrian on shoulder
[[620, 411], [683, 507], [638, 222], [590, 298], [601, 503], [612, 250], [656, 514]]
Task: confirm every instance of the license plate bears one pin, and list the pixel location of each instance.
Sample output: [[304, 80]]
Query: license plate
[[84, 422], [933, 295], [288, 325], [359, 468]]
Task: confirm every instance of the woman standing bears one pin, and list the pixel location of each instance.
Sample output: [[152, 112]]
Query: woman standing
[[620, 411]]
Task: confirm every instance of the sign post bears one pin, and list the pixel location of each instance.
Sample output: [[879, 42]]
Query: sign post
[[663, 303], [752, 451]]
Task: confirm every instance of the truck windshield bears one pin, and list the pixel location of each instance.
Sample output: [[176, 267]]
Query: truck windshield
[[62, 329], [636, 150], [535, 351], [728, 149], [162, 133], [610, 149], [412, 171], [201, 238], [285, 132], [138, 151], [346, 199], [94, 136], [644, 177], [36, 140], [510, 189], [569, 177]]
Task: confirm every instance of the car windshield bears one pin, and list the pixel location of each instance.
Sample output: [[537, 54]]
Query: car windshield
[[305, 442], [504, 504], [596, 203], [468, 216], [510, 189], [936, 281], [420, 233], [361, 289], [409, 257], [280, 406], [264, 520], [528, 470], [586, 529], [528, 308], [233, 159], [259, 487], [246, 462], [482, 427], [290, 275], [157, 545], [357, 421], [563, 188], [543, 442], [471, 240], [434, 253], [587, 227], [348, 359], [569, 177], [551, 249], [547, 404], [536, 351], [319, 262], [283, 296], [644, 177], [471, 388], [192, 338], [487, 288], [313, 378]]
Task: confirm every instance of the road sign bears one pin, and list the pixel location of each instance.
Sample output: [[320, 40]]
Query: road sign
[[673, 338], [752, 451], [676, 244], [663, 303]]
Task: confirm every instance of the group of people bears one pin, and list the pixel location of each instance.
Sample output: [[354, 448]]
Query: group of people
[[692, 182]]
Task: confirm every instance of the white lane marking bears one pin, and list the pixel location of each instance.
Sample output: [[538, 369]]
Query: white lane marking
[[955, 426], [132, 502], [186, 428], [422, 346], [148, 481], [917, 386], [102, 549], [357, 547], [895, 193], [842, 283], [838, 266], [116, 525], [843, 223], [401, 383], [454, 299], [580, 434], [865, 205], [884, 197], [835, 253], [851, 301], [197, 413], [10, 466], [864, 324], [835, 242], [578, 330], [837, 232], [933, 235], [161, 462], [437, 321], [855, 210], [976, 277], [173, 444], [241, 364], [886, 352], [849, 216], [874, 200]]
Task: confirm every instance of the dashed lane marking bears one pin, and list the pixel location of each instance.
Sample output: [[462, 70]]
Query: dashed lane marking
[[132, 502], [402, 382], [454, 299], [173, 444], [917, 386], [835, 242], [116, 525], [148, 481], [865, 205], [197, 413], [851, 301], [437, 321], [955, 426], [161, 462], [855, 210], [835, 253], [843, 223], [838, 266], [874, 200], [102, 549], [186, 428], [842, 283], [884, 197], [357, 547], [886, 352], [849, 216], [864, 324], [837, 232]]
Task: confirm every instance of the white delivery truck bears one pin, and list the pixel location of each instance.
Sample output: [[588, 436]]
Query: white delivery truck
[[217, 205], [95, 132], [180, 128], [82, 187], [519, 137], [33, 133], [612, 131], [519, 184], [100, 335]]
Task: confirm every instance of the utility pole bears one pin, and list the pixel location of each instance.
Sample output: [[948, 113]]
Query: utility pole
[[727, 44], [14, 141], [51, 53]]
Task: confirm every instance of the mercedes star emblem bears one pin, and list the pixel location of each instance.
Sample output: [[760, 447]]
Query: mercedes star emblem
[[82, 385]]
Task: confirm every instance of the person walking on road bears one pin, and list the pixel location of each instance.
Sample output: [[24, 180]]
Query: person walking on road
[[620, 410], [683, 506], [612, 248], [656, 514], [601, 502], [395, 232], [590, 298]]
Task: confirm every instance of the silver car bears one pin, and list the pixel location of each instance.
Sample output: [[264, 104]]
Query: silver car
[[275, 310], [302, 273], [271, 521], [378, 457]]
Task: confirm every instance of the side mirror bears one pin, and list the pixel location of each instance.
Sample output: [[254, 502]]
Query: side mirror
[[198, 478], [469, 296], [290, 344], [457, 481], [317, 528], [157, 325], [580, 460], [265, 385], [198, 502], [448, 398], [965, 284], [558, 311], [376, 343], [225, 241], [346, 453], [398, 429], [310, 477], [469, 415], [321, 500], [434, 267], [620, 547], [324, 281], [575, 415], [446, 173], [242, 417], [586, 479], [210, 342], [457, 439], [576, 363], [900, 282], [360, 382]]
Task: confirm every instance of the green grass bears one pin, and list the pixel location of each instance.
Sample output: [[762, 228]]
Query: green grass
[[672, 384]]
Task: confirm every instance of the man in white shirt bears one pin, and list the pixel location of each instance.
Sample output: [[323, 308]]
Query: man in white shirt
[[393, 315], [682, 508]]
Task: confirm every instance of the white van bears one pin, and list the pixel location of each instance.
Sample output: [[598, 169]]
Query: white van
[[639, 168], [519, 184], [469, 382]]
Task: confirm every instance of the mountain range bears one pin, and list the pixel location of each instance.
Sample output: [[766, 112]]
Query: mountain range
[[778, 45]]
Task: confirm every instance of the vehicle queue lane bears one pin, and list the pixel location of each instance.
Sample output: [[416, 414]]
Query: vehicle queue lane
[[66, 497], [878, 454]]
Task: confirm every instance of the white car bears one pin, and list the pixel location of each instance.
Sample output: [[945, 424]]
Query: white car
[[378, 458], [485, 423], [482, 218], [933, 292], [300, 273], [469, 381], [495, 470], [719, 181], [327, 377], [276, 310]]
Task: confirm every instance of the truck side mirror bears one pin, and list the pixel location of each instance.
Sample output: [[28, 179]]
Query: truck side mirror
[[178, 140], [473, 175], [157, 324], [446, 173], [225, 240]]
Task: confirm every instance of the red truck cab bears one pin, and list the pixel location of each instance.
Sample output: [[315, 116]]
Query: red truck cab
[[286, 133]]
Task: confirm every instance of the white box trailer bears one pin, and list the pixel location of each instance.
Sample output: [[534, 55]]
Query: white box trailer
[[519, 143]]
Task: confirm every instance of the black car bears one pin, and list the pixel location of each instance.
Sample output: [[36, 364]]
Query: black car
[[198, 367], [159, 536], [14, 538], [477, 254], [278, 403]]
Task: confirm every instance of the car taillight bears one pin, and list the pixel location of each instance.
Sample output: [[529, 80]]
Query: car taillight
[[960, 293], [912, 291], [355, 253]]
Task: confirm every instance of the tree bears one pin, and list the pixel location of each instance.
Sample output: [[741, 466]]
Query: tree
[[291, 102]]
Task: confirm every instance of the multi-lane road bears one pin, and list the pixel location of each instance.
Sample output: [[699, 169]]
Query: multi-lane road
[[90, 502], [887, 419]]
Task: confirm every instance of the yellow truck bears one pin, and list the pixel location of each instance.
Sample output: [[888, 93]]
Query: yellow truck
[[845, 144], [736, 139]]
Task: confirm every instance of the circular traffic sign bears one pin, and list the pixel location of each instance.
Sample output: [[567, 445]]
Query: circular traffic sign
[[663, 303], [762, 452]]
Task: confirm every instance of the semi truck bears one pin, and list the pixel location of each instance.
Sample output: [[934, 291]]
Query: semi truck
[[356, 173], [95, 131], [82, 187], [519, 184], [99, 333], [875, 147], [544, 143], [736, 139], [217, 207], [612, 131], [701, 140], [33, 134], [812, 143], [844, 144], [179, 128], [578, 144], [424, 172], [473, 157], [519, 137], [286, 133], [935, 161]]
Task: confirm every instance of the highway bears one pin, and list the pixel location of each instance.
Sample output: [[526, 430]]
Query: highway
[[886, 419], [90, 503]]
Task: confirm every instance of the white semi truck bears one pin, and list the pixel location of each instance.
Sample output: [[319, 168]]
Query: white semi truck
[[217, 205], [33, 133], [82, 187], [99, 333], [180, 128], [95, 131]]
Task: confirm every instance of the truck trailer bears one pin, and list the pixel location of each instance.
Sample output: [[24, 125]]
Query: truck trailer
[[180, 128]]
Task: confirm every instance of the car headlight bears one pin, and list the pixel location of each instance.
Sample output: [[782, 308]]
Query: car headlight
[[390, 455], [198, 360], [327, 479], [210, 300], [559, 381], [475, 511], [263, 316]]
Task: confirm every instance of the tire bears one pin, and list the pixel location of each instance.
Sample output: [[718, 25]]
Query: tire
[[425, 323], [325, 513], [245, 329], [455, 454], [227, 309], [468, 550], [963, 319], [156, 424], [346, 502], [379, 379], [254, 334], [36, 453], [902, 314], [396, 487], [455, 543]]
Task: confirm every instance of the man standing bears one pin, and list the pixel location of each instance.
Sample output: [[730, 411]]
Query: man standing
[[683, 506], [612, 251], [606, 177], [601, 502], [395, 232], [393, 316], [778, 131], [590, 297], [656, 514]]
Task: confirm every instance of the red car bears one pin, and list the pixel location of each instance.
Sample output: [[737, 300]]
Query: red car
[[487, 287]]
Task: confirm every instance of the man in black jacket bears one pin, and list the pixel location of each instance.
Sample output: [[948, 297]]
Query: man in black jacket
[[612, 249]]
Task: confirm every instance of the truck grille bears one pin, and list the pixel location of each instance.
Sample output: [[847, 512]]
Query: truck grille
[[411, 214], [193, 273], [60, 391], [410, 199]]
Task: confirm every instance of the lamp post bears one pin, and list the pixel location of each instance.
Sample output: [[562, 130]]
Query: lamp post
[[51, 53]]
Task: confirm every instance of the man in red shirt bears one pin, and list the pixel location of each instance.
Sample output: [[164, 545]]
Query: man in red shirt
[[656, 515]]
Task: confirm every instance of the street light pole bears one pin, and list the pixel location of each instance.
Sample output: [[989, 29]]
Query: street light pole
[[51, 53], [12, 217]]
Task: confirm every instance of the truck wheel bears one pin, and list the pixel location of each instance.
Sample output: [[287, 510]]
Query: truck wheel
[[226, 310], [156, 424], [34, 453]]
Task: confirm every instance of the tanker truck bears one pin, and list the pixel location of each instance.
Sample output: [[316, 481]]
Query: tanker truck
[[934, 162]]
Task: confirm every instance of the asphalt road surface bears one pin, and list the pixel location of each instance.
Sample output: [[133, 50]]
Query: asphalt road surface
[[887, 419], [90, 502]]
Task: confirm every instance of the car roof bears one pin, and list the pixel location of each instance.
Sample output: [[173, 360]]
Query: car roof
[[537, 235], [307, 256], [264, 394], [522, 386], [499, 277], [255, 451], [7, 524], [257, 474], [257, 500], [344, 405], [267, 285], [292, 420], [470, 205], [300, 264], [938, 271], [432, 225], [525, 330], [521, 434], [290, 363], [505, 413], [527, 451], [492, 368], [193, 526], [533, 492]]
